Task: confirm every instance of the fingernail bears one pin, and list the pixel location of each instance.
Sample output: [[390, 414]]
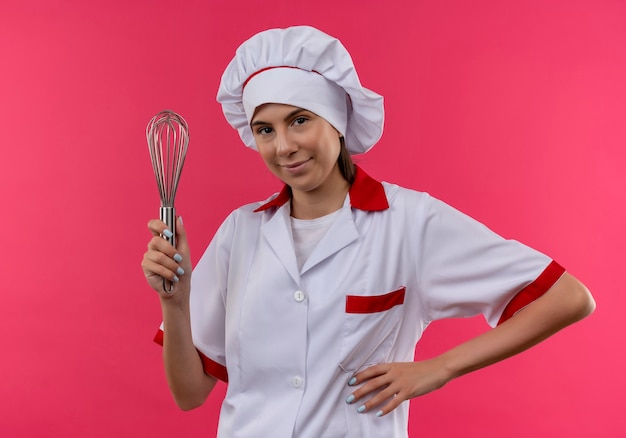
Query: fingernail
[[167, 233], [361, 409], [176, 278], [180, 218], [379, 413], [178, 258], [352, 381], [180, 271], [350, 399]]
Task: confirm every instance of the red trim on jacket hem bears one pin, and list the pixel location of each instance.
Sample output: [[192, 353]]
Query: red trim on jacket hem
[[366, 194], [534, 290], [374, 304], [209, 365]]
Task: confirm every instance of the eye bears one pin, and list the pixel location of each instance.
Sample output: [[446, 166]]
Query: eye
[[299, 121], [264, 130]]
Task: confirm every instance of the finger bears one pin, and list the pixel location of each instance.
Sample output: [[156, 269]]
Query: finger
[[385, 393], [365, 378], [370, 386], [159, 228], [158, 244], [392, 404], [161, 252], [156, 227], [152, 268], [368, 373], [182, 245]]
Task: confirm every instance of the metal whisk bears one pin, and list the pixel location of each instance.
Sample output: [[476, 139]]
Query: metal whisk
[[168, 137]]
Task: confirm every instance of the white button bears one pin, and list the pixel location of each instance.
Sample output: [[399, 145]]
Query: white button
[[296, 382], [298, 296]]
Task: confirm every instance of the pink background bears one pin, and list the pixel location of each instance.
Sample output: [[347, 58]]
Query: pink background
[[513, 112]]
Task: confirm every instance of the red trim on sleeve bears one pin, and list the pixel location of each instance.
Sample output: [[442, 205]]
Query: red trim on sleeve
[[158, 338], [534, 290], [213, 368], [373, 304], [210, 366]]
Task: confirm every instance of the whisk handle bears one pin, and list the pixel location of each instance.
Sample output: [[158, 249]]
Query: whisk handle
[[168, 216]]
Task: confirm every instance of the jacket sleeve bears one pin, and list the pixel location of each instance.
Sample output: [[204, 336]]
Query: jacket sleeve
[[208, 302], [465, 269]]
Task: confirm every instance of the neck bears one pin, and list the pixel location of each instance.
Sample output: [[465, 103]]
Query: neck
[[320, 201]]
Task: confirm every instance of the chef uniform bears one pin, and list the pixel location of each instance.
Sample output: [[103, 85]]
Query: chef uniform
[[288, 336]]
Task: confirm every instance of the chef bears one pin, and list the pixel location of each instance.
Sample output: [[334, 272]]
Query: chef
[[310, 303]]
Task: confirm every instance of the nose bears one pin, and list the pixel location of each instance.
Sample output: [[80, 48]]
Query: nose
[[285, 145]]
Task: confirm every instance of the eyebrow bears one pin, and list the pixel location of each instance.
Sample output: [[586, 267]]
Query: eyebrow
[[287, 117]]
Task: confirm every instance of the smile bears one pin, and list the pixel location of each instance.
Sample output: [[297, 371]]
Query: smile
[[295, 167]]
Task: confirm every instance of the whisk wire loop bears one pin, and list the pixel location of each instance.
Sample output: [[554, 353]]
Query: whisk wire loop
[[168, 138]]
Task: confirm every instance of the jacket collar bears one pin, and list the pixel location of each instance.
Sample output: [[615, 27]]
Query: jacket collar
[[366, 194]]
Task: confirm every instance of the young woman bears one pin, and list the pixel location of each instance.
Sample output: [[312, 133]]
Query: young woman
[[309, 304]]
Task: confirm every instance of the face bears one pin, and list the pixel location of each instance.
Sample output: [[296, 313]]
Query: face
[[298, 147]]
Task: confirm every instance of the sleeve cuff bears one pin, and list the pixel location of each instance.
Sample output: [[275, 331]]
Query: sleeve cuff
[[534, 290], [210, 366]]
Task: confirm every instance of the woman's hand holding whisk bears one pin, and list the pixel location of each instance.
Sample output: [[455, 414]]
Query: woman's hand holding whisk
[[163, 261]]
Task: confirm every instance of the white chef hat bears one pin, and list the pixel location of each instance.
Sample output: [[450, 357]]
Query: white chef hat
[[303, 67]]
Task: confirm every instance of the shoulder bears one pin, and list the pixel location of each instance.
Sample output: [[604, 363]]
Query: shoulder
[[398, 196]]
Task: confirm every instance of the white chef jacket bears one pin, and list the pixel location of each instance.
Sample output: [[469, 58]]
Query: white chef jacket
[[287, 341]]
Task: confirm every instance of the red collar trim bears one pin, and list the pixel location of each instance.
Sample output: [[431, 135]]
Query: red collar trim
[[366, 194], [278, 201]]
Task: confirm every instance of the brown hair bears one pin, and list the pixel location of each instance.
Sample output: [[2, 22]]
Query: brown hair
[[346, 165]]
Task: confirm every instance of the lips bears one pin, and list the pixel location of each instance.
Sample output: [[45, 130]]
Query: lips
[[295, 166]]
